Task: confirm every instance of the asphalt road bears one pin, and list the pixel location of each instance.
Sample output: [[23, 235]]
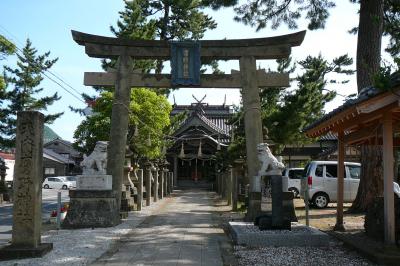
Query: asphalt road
[[49, 203]]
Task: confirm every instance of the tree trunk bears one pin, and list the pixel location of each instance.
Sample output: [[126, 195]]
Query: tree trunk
[[370, 29], [371, 181]]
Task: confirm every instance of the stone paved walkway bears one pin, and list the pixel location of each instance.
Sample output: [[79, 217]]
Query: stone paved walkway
[[184, 232]]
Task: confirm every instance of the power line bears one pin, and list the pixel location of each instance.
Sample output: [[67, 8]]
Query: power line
[[43, 71]]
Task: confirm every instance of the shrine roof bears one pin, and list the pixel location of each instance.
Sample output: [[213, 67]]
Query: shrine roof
[[366, 95], [197, 119]]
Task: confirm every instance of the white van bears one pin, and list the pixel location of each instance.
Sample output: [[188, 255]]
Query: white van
[[294, 176], [322, 182]]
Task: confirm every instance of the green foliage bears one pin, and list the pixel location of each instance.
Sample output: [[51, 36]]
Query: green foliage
[[22, 87], [149, 113], [286, 113], [257, 13], [6, 48], [306, 104], [383, 79], [392, 26]]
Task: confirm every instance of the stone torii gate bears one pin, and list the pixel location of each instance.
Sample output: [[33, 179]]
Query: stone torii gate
[[249, 79]]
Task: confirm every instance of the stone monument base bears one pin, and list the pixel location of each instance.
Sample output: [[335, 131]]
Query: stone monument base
[[91, 208], [13, 252], [94, 182]]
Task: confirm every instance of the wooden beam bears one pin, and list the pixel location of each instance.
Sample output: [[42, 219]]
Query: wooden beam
[[359, 135], [340, 184], [388, 174], [218, 53], [206, 80]]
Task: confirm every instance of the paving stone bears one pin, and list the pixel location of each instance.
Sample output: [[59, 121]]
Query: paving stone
[[184, 232]]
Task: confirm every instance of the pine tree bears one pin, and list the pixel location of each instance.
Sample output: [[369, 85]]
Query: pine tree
[[6, 48], [22, 87]]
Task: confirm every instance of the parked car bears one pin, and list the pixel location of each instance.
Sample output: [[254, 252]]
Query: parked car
[[294, 179], [71, 179], [322, 182], [57, 182]]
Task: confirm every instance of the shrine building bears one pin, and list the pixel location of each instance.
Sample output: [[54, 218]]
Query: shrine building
[[203, 132]]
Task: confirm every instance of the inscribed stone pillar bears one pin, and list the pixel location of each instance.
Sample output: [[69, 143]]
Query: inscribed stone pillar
[[175, 171], [28, 175], [161, 182], [119, 125], [229, 185], [236, 174], [27, 211], [155, 184], [140, 189], [171, 185], [147, 177], [166, 177], [253, 130]]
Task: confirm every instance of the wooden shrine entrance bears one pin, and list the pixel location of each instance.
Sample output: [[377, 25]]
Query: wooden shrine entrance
[[247, 51]]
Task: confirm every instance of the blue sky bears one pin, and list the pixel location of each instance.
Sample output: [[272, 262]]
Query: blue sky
[[48, 23]]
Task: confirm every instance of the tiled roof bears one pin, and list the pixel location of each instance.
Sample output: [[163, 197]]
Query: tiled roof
[[212, 116], [203, 119], [49, 154], [364, 95]]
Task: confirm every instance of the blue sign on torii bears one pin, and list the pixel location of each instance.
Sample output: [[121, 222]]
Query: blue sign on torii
[[185, 63]]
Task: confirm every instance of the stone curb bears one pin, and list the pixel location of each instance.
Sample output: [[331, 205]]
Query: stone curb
[[300, 236]]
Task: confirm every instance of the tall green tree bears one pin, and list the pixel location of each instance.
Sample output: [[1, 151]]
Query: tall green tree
[[23, 85], [149, 114]]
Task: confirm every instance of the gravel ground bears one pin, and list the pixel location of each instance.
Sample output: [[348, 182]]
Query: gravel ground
[[335, 254], [83, 246]]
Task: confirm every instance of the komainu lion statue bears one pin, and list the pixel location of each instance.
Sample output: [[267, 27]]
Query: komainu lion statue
[[269, 163], [96, 162]]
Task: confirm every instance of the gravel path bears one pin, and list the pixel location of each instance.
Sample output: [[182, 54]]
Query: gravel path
[[83, 246], [335, 254]]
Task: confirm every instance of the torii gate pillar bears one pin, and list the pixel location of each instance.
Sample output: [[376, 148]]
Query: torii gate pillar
[[119, 121], [253, 130]]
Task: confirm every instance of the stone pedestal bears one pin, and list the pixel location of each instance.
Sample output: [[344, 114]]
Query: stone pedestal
[[282, 212], [27, 210], [127, 201], [91, 209], [94, 182]]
